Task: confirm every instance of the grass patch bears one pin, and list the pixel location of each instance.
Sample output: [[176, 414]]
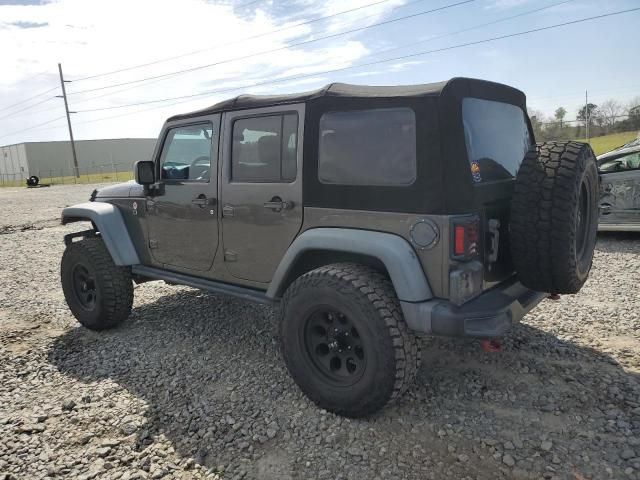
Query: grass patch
[[606, 143], [107, 177]]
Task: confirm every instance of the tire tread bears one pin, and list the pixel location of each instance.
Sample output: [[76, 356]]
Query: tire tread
[[376, 289]]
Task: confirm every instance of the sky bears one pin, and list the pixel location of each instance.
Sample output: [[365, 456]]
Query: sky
[[282, 46]]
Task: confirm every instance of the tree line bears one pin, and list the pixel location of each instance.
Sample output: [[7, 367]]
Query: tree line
[[610, 116]]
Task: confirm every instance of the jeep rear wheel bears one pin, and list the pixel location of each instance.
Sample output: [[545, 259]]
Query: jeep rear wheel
[[344, 339], [554, 216], [98, 292]]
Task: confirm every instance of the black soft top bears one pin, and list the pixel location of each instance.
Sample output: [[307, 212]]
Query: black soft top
[[444, 182], [347, 91]]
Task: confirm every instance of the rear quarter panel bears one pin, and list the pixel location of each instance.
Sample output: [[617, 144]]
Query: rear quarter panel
[[432, 259]]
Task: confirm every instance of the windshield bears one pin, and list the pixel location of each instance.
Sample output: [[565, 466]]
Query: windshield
[[621, 163], [497, 138]]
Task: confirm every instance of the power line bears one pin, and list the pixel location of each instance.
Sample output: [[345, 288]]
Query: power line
[[27, 99], [12, 114], [253, 37], [286, 47], [375, 54], [131, 113], [45, 72], [143, 83], [247, 4], [366, 64], [32, 127], [482, 25], [580, 95]]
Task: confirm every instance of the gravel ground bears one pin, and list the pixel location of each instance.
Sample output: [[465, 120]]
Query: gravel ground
[[192, 386]]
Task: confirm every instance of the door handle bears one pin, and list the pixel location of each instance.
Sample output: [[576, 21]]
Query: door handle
[[202, 201], [277, 204], [228, 211]]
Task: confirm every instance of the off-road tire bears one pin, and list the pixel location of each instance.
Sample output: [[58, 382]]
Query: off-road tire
[[113, 284], [554, 216], [368, 299]]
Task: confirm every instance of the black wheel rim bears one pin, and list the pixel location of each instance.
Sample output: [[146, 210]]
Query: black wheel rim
[[334, 346], [84, 287], [583, 221]]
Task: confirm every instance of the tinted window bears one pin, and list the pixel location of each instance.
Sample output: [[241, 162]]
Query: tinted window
[[264, 149], [621, 164], [496, 136], [368, 147], [186, 153]]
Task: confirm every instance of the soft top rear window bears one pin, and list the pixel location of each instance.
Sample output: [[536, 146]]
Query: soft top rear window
[[497, 138]]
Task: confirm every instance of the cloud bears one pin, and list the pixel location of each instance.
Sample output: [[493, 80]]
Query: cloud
[[90, 37]]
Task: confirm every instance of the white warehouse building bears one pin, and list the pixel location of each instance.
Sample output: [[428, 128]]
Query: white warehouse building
[[55, 159]]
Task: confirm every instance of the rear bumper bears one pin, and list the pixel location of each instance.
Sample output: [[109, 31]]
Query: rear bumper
[[490, 315]]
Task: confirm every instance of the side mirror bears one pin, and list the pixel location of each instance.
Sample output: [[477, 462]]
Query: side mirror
[[145, 172]]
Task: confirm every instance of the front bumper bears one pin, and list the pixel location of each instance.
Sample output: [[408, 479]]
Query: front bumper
[[487, 316]]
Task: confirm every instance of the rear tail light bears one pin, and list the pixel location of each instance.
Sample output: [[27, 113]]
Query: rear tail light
[[465, 237]]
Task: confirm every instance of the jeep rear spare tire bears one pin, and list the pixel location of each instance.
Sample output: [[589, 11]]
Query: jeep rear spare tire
[[554, 216], [344, 339]]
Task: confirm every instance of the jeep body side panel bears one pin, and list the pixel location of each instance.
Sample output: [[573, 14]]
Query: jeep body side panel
[[110, 224], [255, 231], [620, 192], [434, 259], [181, 218], [393, 251]]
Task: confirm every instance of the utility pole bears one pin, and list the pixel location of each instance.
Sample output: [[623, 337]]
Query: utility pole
[[66, 108], [586, 114]]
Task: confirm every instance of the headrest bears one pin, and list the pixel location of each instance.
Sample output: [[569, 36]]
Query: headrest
[[269, 148]]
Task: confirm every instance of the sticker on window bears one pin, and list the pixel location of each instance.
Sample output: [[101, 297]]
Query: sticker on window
[[475, 172]]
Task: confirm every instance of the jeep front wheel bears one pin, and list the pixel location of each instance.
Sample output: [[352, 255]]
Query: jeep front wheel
[[344, 339], [99, 293]]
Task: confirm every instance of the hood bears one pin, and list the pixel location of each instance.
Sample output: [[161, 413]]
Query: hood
[[119, 190]]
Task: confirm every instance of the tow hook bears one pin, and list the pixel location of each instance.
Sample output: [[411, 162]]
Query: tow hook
[[554, 296], [490, 346]]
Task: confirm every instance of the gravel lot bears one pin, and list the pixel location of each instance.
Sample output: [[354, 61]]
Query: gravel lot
[[192, 386]]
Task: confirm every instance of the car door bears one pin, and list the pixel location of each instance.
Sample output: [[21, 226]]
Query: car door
[[620, 183], [182, 213], [261, 188]]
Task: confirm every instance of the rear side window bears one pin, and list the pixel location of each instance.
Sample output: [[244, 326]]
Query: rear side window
[[368, 147], [264, 149], [496, 136]]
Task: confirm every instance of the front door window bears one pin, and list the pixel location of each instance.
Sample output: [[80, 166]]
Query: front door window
[[186, 154]]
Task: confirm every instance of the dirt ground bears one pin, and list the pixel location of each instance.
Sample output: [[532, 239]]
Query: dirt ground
[[193, 386]]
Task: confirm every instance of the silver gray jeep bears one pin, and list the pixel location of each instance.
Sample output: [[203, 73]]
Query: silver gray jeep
[[370, 215]]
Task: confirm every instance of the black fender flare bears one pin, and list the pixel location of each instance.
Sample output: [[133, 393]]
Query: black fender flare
[[109, 222], [397, 255]]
